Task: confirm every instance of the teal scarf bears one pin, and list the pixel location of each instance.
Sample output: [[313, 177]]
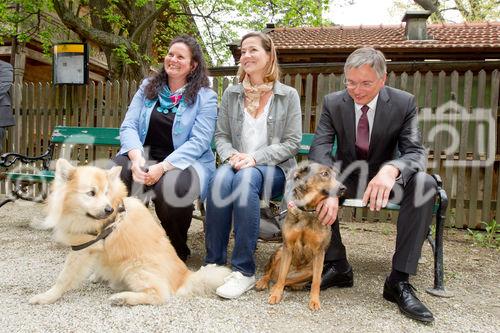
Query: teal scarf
[[169, 102]]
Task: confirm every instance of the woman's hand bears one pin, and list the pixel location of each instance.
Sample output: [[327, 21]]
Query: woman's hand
[[154, 174], [138, 162], [241, 161], [137, 168]]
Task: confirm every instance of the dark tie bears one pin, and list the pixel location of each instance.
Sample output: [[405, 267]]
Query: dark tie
[[363, 135]]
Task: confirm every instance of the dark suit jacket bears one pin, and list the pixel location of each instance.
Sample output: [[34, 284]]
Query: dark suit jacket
[[395, 136], [6, 117]]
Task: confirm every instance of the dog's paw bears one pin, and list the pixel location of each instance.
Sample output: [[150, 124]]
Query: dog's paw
[[44, 298], [275, 297], [95, 278], [262, 284], [118, 300], [42, 224], [314, 305]]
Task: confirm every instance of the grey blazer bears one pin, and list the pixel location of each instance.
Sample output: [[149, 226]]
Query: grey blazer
[[395, 137], [284, 126], [6, 116]]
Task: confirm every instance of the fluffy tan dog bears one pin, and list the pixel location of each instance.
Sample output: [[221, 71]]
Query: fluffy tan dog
[[136, 258]]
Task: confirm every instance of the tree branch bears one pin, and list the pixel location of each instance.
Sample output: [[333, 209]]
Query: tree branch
[[431, 5], [148, 20], [86, 32]]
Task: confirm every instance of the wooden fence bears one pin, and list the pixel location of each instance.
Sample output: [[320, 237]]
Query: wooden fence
[[455, 108]]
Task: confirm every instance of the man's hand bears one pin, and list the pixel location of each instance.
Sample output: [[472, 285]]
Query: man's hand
[[379, 188], [327, 210]]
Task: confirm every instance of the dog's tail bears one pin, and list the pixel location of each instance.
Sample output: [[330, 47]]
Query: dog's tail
[[204, 281]]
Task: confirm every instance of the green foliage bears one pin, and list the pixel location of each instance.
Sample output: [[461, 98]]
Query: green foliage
[[287, 13], [122, 53], [229, 19], [487, 238], [467, 10], [22, 18], [111, 16]]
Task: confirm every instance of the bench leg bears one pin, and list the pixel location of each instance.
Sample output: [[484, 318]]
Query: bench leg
[[437, 247]]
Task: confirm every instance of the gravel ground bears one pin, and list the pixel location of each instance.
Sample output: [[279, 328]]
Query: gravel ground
[[30, 261]]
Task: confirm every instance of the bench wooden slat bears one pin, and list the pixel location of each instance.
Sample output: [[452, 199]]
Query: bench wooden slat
[[109, 136], [357, 203], [42, 176]]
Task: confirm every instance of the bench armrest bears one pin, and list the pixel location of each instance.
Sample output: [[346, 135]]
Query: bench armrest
[[8, 159]]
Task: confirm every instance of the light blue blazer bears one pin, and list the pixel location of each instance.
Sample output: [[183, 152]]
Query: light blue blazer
[[192, 132]]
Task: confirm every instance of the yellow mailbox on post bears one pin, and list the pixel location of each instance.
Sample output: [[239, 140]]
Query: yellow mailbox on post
[[70, 63]]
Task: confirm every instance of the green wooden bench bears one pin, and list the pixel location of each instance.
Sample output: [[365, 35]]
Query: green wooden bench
[[38, 171]]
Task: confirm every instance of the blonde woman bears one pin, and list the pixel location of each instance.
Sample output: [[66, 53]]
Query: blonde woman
[[258, 132]]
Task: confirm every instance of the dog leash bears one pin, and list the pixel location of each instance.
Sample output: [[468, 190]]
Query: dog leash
[[105, 233]]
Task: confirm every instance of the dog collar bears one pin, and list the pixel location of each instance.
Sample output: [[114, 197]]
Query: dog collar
[[292, 204], [109, 227], [307, 210]]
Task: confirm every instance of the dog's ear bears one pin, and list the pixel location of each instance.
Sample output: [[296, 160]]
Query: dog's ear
[[335, 171], [64, 169], [114, 173], [301, 171]]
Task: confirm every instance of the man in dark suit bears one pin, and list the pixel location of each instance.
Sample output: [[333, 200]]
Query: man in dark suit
[[6, 117], [381, 158]]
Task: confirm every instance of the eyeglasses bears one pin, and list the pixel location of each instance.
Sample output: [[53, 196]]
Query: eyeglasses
[[363, 85]]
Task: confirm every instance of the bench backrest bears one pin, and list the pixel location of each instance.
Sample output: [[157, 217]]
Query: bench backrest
[[305, 145], [107, 136], [110, 136]]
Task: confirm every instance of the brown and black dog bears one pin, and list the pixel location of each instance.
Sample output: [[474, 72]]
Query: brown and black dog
[[305, 239]]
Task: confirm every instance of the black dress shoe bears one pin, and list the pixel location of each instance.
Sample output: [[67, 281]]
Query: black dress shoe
[[331, 277], [402, 293]]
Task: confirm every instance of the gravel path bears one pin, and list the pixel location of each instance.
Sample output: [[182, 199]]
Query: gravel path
[[30, 261]]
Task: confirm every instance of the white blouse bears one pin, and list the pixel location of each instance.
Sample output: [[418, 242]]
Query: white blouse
[[254, 133]]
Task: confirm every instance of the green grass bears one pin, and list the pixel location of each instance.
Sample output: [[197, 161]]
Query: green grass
[[487, 238]]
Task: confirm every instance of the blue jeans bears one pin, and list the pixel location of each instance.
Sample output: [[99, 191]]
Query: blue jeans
[[235, 196]]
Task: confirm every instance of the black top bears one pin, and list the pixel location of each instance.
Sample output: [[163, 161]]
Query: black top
[[159, 138]]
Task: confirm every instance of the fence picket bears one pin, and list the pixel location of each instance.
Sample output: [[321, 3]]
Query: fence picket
[[462, 156], [308, 114], [321, 90], [488, 174], [474, 187], [99, 103], [287, 80], [449, 179]]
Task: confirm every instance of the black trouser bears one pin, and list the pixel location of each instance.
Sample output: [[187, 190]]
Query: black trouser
[[173, 196], [415, 216]]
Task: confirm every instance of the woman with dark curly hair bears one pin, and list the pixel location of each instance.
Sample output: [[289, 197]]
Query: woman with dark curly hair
[[165, 139]]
